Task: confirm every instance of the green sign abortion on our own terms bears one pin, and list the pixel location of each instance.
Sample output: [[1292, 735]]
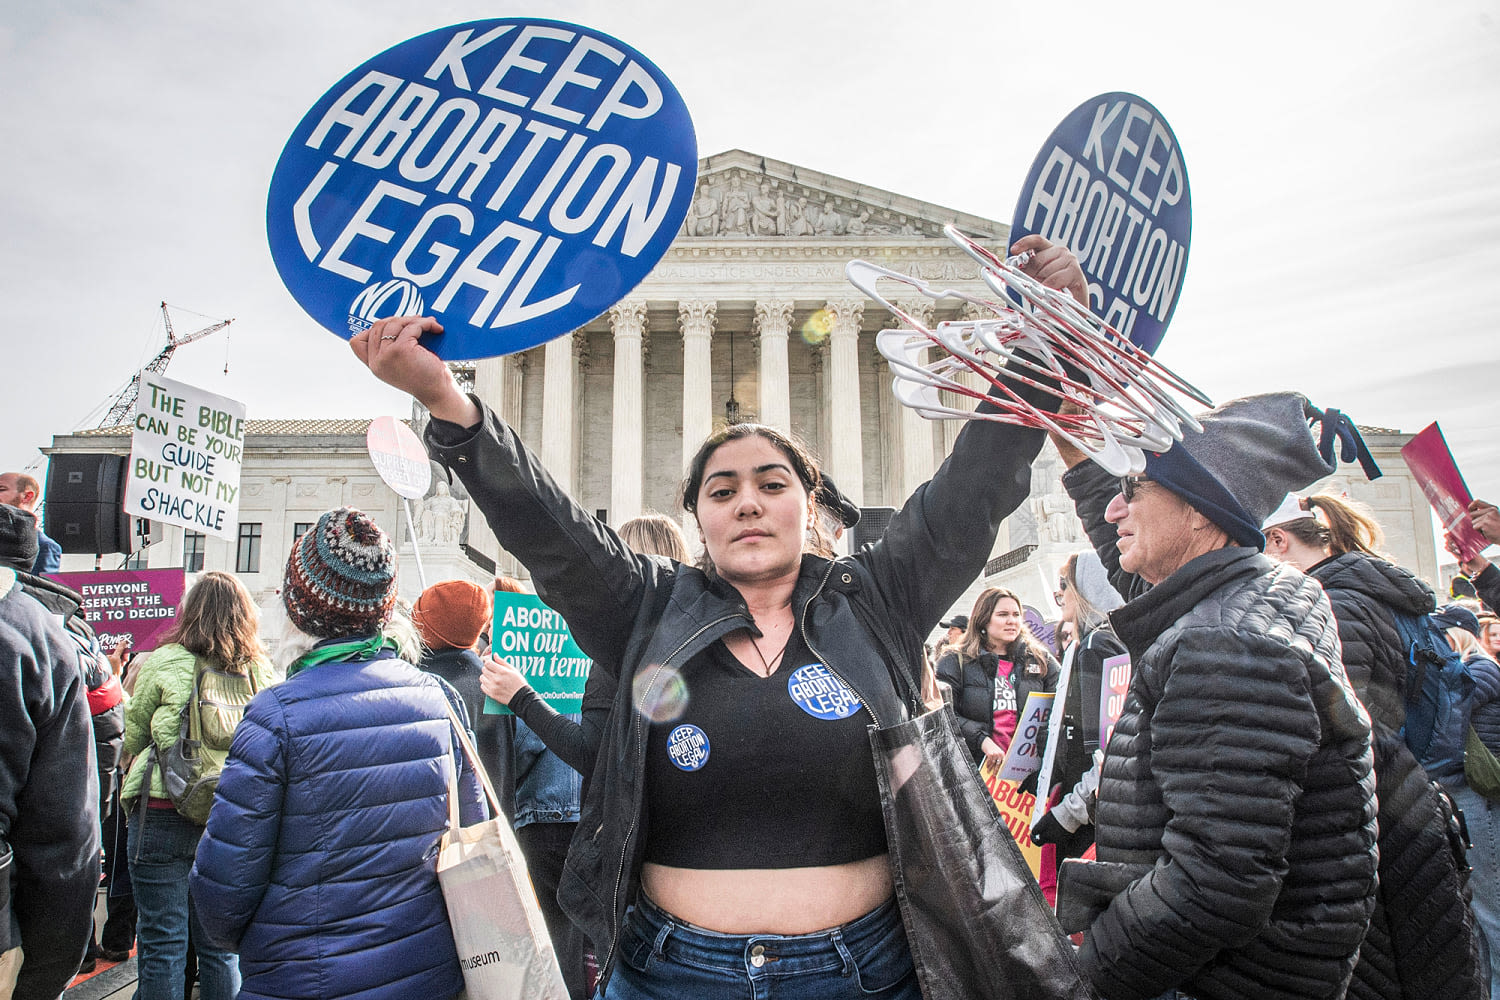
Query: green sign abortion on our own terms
[[535, 640]]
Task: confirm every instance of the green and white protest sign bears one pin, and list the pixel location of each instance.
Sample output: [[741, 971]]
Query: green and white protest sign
[[185, 456], [535, 640]]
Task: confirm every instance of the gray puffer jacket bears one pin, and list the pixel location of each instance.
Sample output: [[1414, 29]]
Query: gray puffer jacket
[[1236, 817]]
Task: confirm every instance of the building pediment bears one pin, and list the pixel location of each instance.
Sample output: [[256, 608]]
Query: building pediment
[[742, 195]]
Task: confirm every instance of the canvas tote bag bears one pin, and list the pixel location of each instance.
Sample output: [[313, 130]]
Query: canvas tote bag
[[498, 926]]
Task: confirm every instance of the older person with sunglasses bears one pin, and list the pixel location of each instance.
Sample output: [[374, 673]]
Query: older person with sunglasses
[[1236, 819]]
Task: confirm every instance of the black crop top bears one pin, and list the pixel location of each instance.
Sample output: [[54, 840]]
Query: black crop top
[[762, 772]]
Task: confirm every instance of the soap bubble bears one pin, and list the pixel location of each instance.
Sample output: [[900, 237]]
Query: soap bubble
[[659, 693]]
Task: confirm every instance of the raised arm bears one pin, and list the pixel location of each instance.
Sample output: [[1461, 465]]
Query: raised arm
[[941, 538], [1092, 489], [579, 566]]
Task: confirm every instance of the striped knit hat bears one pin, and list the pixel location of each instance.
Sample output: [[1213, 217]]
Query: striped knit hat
[[341, 577]]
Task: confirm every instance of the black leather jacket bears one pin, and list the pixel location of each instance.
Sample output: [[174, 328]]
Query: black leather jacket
[[638, 616]]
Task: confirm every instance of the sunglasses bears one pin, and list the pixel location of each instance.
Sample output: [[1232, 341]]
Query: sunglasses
[[1057, 595], [1131, 485]]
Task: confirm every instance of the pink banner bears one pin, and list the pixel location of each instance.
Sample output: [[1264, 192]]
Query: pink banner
[[1432, 464], [140, 603]]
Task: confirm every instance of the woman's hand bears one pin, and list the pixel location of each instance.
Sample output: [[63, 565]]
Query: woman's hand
[[1067, 450], [116, 656], [1486, 519], [389, 348], [499, 680], [1471, 567], [1054, 265], [992, 750]]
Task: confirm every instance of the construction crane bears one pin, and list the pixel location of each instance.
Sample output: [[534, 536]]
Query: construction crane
[[124, 404]]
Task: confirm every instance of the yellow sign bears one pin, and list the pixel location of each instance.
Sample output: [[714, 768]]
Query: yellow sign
[[1015, 808]]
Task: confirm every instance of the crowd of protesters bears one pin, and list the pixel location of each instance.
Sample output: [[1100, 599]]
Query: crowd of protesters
[[1260, 823]]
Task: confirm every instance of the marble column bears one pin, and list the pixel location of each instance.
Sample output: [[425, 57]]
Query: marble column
[[846, 447], [557, 410], [491, 378], [626, 468], [915, 463], [697, 318], [773, 321]]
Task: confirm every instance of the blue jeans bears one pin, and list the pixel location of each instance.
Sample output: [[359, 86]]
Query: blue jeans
[[663, 958], [162, 846], [1483, 819]]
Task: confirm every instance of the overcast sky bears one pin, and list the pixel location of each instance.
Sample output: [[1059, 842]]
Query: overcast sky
[[1345, 175]]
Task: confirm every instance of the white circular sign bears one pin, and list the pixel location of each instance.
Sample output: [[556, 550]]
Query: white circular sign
[[399, 457]]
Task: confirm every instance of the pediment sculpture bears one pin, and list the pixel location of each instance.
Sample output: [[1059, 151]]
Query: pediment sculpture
[[740, 203]]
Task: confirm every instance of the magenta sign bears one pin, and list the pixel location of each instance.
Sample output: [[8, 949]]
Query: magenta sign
[[140, 603], [1432, 464]]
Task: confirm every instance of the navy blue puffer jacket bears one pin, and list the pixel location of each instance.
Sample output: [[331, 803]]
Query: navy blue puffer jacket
[[318, 862]]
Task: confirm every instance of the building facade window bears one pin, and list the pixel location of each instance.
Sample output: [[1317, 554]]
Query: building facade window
[[192, 551], [247, 555], [299, 529]]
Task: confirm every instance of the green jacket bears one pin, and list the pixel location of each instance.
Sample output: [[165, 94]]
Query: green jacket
[[154, 713]]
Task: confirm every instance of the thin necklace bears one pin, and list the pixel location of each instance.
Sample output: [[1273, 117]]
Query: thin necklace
[[771, 666]]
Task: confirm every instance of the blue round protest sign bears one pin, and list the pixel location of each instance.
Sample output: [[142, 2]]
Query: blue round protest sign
[[819, 692], [512, 177], [1111, 183]]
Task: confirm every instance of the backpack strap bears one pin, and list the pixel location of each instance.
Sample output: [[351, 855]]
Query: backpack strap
[[189, 717], [194, 707]]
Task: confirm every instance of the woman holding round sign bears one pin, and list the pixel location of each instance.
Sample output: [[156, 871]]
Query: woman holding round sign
[[732, 831]]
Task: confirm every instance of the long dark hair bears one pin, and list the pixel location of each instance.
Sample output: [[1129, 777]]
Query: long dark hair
[[218, 621], [797, 455], [972, 645]]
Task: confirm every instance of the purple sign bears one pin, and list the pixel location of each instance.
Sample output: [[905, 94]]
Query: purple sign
[[140, 603], [1111, 183]]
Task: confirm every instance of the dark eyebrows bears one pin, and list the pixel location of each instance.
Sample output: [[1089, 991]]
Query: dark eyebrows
[[758, 470]]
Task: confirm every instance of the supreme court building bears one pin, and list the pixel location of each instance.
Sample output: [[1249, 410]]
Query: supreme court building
[[749, 316]]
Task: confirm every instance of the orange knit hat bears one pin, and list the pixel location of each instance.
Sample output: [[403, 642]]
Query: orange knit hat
[[451, 614]]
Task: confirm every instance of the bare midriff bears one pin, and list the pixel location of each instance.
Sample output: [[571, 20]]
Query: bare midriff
[[770, 900]]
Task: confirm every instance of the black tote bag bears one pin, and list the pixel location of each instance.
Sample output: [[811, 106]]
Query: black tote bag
[[976, 920]]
